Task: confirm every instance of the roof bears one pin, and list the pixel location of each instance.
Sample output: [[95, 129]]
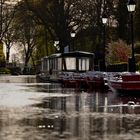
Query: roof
[[71, 54], [78, 54]]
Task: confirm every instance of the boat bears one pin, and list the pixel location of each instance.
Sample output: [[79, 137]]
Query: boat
[[55, 65], [96, 80], [125, 82], [72, 70]]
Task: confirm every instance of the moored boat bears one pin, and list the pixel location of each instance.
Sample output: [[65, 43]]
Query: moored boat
[[56, 64], [125, 82], [72, 69]]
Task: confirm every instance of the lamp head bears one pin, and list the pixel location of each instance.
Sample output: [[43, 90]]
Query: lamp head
[[104, 19], [131, 4], [72, 34]]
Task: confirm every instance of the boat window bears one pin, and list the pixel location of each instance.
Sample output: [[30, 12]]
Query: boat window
[[70, 63], [47, 65], [87, 64], [50, 64], [84, 64], [54, 64], [59, 63]]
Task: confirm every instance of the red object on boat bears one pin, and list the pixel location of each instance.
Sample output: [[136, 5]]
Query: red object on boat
[[125, 82]]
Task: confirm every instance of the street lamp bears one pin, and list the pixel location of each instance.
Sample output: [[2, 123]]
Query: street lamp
[[56, 44], [72, 34], [131, 5], [104, 21], [131, 8]]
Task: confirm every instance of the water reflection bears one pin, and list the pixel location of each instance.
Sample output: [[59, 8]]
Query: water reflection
[[38, 111], [88, 116]]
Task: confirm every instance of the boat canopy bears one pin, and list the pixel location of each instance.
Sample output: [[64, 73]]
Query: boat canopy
[[72, 54]]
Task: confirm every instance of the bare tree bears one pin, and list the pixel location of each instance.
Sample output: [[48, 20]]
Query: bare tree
[[26, 33], [7, 12]]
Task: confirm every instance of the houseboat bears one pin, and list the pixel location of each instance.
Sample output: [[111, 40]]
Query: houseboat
[[57, 66]]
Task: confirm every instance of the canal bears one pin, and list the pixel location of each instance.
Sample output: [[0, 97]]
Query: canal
[[45, 111]]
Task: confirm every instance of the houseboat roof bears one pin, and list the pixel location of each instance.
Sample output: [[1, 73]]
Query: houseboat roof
[[72, 54]]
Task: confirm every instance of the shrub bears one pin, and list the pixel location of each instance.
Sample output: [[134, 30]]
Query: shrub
[[4, 71], [117, 52]]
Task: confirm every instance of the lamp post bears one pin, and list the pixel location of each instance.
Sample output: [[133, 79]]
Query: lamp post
[[131, 8], [72, 34], [104, 21]]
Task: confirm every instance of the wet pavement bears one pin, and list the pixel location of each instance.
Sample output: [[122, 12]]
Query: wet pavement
[[44, 111]]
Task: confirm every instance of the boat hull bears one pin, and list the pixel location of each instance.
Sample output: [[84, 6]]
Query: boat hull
[[86, 84], [125, 87]]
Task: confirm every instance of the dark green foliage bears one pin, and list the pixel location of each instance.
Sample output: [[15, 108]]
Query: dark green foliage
[[137, 47], [137, 22], [4, 70], [121, 15]]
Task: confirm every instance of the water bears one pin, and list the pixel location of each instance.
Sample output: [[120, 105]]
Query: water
[[43, 111]]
